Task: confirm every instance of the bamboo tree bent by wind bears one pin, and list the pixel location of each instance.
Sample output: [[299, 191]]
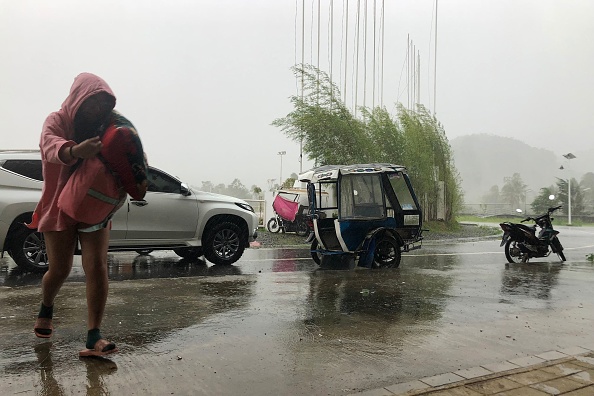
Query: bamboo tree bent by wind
[[331, 134]]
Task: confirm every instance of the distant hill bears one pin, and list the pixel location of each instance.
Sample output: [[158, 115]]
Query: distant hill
[[485, 160]]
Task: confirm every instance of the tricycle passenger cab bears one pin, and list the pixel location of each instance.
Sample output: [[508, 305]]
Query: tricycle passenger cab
[[369, 211]]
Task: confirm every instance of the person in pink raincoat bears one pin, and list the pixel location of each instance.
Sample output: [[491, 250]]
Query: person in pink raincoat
[[69, 135]]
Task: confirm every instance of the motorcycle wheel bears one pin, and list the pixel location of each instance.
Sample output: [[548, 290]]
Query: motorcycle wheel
[[273, 225], [559, 249], [302, 229], [513, 253], [315, 255]]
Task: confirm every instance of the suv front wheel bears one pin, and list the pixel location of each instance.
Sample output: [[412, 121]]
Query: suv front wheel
[[224, 244], [28, 249]]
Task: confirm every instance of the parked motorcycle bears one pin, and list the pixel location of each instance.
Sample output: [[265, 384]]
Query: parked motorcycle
[[299, 226], [288, 215], [522, 243]]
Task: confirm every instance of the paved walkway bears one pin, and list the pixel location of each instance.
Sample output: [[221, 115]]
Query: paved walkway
[[567, 371]]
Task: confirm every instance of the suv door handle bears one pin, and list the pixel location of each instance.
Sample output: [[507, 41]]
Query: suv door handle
[[140, 202]]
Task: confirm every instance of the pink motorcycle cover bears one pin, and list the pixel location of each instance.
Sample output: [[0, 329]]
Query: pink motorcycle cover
[[285, 208]]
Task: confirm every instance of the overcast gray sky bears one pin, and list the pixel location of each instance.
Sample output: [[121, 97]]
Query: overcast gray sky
[[203, 80]]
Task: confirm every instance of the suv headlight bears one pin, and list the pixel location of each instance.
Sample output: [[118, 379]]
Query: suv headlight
[[245, 206]]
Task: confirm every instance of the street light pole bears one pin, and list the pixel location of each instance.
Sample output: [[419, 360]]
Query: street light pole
[[569, 156], [280, 181], [569, 200]]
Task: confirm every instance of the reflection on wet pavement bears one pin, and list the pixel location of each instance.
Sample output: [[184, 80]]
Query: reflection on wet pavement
[[277, 324], [46, 365], [532, 280]]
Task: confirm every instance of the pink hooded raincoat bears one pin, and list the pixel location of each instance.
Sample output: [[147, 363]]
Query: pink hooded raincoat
[[58, 132]]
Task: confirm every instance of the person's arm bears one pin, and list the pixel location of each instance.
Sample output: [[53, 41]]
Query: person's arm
[[54, 144], [56, 148], [86, 149]]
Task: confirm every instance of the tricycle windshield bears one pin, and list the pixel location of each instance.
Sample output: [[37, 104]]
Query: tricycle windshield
[[361, 197], [402, 191]]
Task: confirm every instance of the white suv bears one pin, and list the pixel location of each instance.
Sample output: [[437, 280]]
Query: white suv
[[171, 217]]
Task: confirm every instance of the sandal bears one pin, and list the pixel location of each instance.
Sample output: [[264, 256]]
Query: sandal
[[43, 327], [101, 348]]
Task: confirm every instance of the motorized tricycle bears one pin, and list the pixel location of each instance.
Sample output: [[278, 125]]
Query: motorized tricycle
[[289, 213], [369, 216]]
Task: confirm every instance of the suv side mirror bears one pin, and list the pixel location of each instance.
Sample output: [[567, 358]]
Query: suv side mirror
[[185, 191]]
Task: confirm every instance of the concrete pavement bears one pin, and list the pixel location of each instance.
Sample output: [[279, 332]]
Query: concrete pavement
[[567, 371]]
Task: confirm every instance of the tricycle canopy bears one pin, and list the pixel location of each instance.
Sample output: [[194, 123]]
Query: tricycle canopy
[[332, 172]]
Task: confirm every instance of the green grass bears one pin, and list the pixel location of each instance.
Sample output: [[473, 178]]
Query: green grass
[[454, 229], [490, 219], [497, 220], [442, 226]]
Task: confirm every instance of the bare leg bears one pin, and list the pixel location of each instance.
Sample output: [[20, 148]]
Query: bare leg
[[94, 261], [60, 251]]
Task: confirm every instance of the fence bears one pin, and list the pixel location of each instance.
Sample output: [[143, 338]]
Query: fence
[[259, 206], [502, 209], [493, 209]]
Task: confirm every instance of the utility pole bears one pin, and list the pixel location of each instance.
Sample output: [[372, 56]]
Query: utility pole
[[280, 180], [435, 66]]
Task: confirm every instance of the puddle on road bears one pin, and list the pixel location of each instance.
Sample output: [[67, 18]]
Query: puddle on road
[[276, 322]]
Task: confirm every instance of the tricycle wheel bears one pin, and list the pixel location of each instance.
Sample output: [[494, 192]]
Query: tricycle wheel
[[302, 228], [273, 225], [315, 255], [387, 253]]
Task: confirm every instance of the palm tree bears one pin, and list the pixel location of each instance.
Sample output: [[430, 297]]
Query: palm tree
[[514, 190]]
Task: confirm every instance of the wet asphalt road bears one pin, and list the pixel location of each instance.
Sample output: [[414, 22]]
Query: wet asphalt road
[[276, 324]]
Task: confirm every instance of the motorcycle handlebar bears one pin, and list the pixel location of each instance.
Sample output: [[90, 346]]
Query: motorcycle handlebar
[[550, 210]]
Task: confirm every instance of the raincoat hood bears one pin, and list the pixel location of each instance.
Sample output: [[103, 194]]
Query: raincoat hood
[[84, 86]]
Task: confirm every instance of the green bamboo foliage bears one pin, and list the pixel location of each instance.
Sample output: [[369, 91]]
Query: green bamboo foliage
[[329, 131], [413, 138]]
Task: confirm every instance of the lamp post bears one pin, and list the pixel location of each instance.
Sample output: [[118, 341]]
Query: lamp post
[[280, 181], [569, 156], [526, 200]]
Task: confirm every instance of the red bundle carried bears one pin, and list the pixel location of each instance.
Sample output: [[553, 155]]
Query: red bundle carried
[[123, 153]]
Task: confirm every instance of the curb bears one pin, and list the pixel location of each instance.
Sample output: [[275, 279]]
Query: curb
[[475, 375]]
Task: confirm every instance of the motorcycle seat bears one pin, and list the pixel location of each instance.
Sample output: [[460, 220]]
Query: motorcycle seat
[[527, 228]]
